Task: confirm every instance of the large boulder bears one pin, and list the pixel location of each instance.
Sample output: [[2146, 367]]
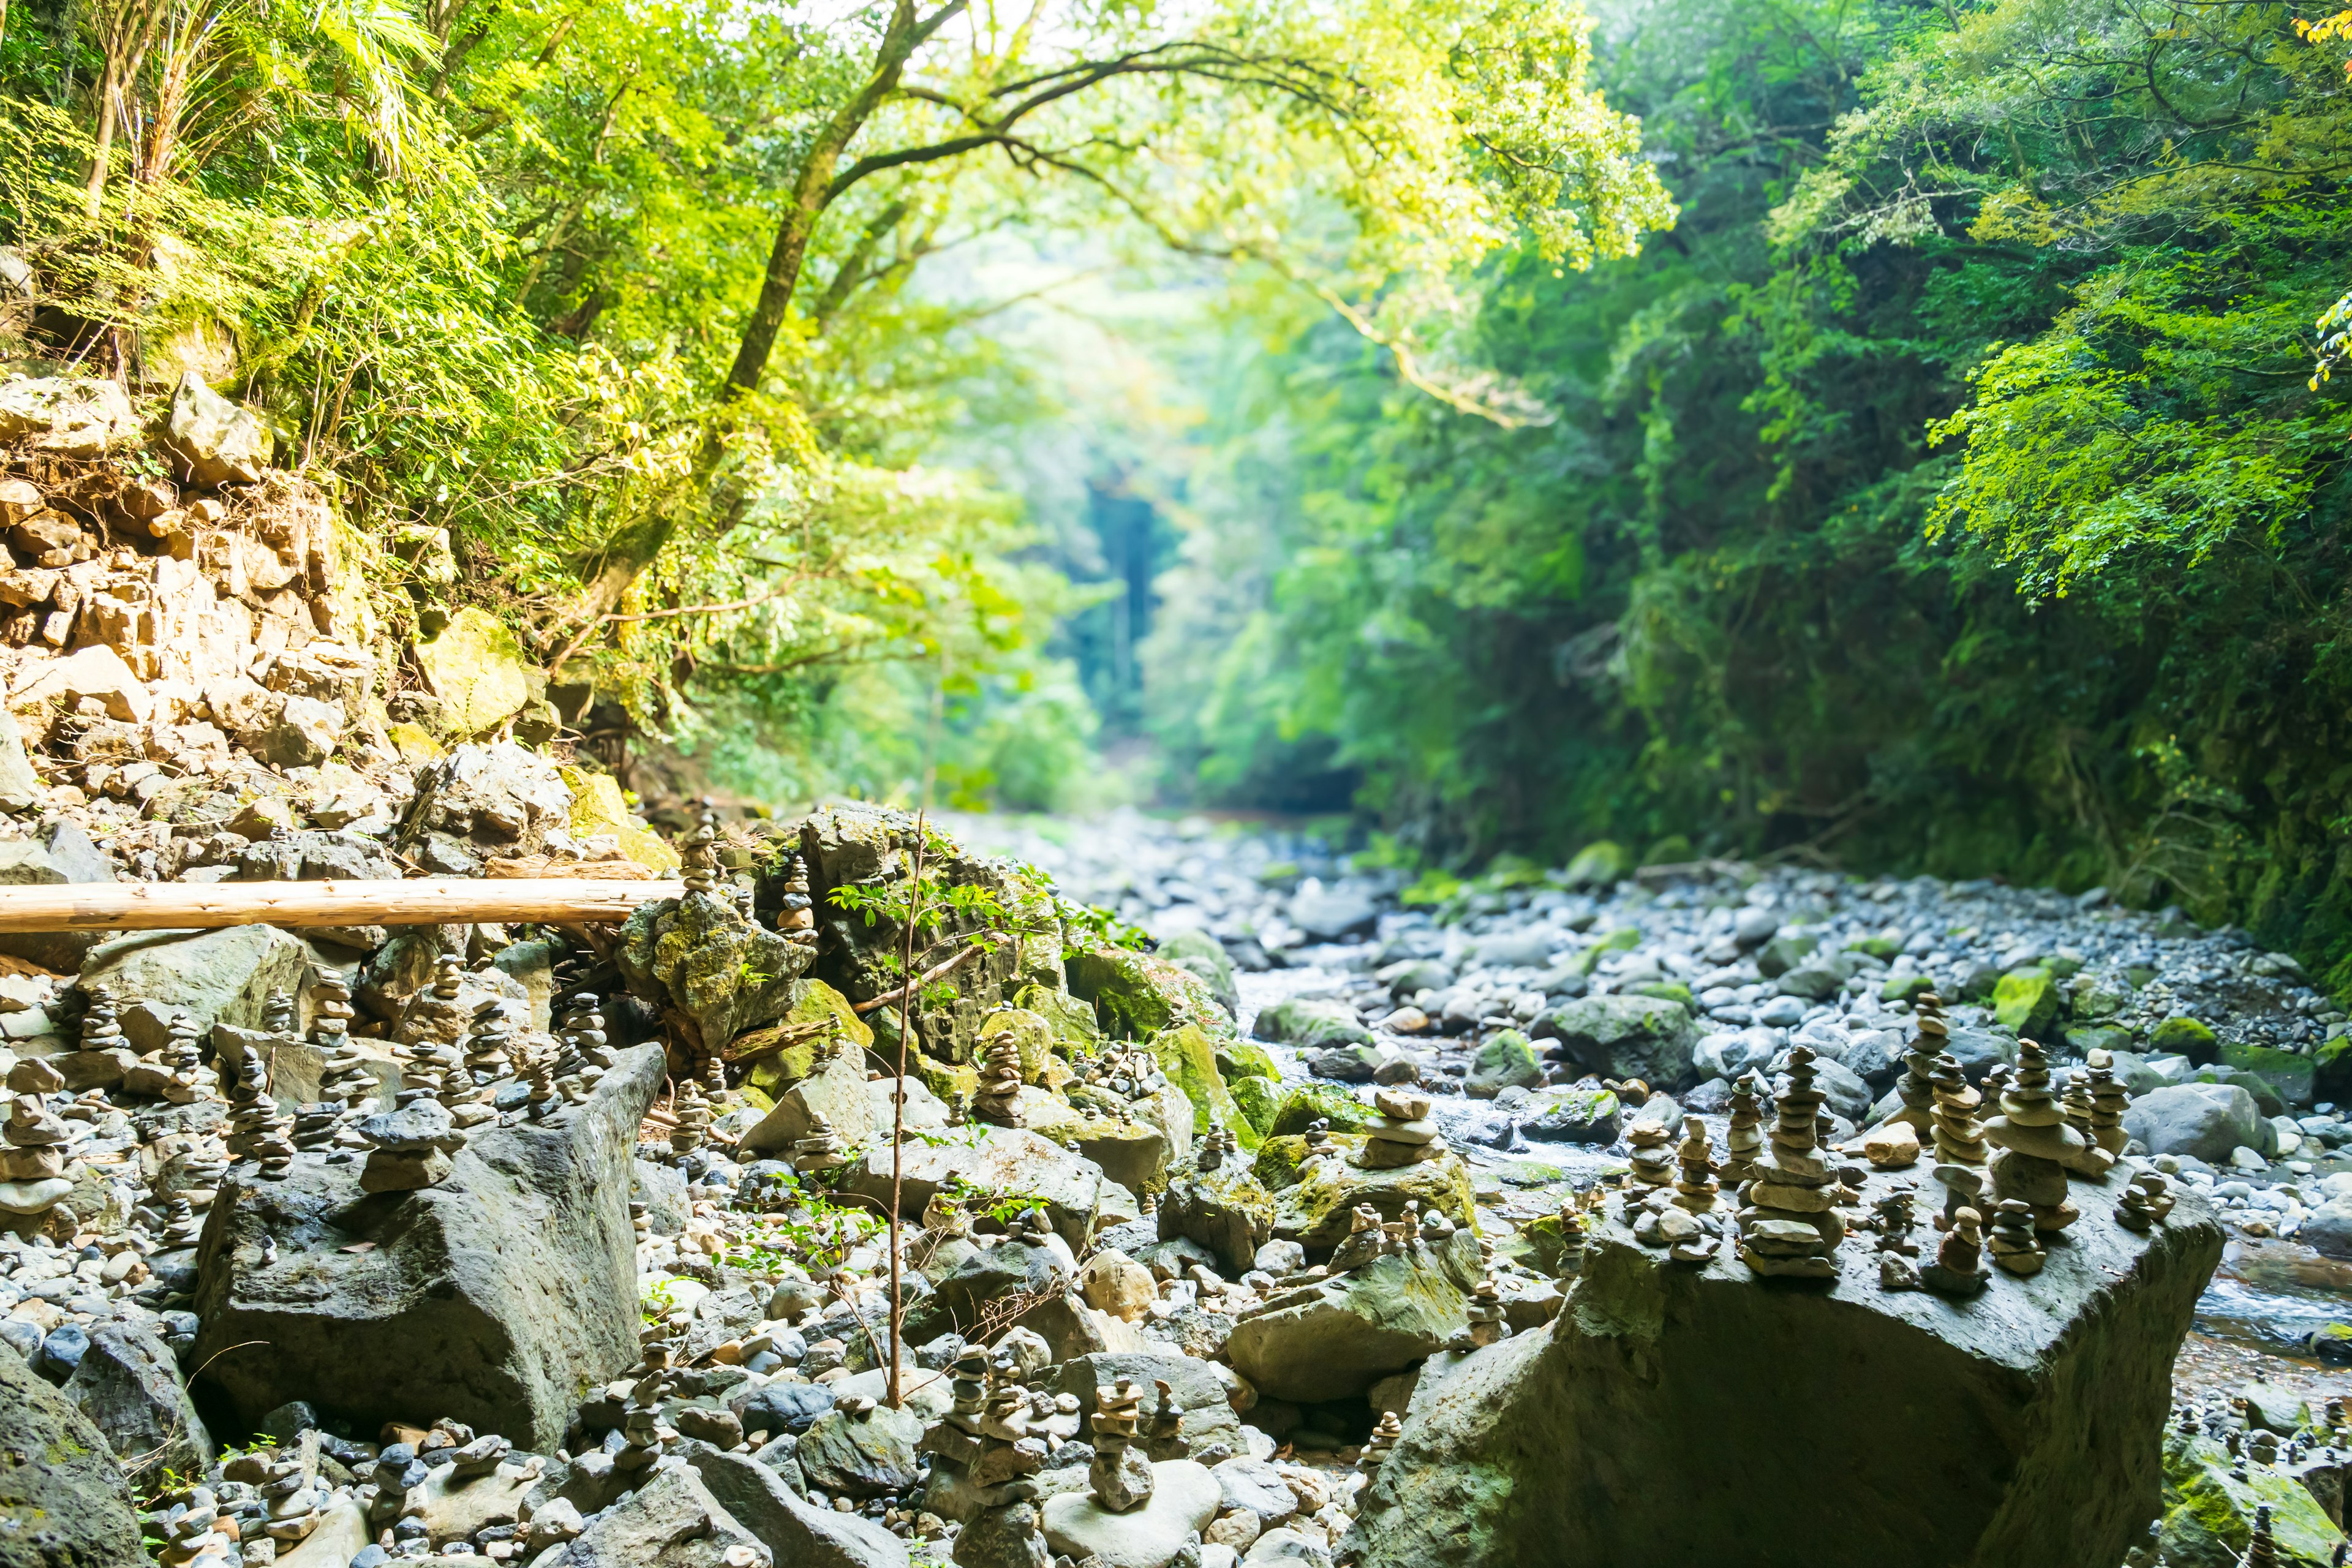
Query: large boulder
[[700, 959], [1311, 1023], [2209, 1500], [212, 441], [502, 797], [72, 416], [1225, 1210], [1189, 1056], [671, 1522], [798, 1532], [1314, 1209], [1334, 913], [128, 1384], [2203, 1119], [221, 976], [861, 1455], [58, 855], [1004, 1161], [62, 1500], [1645, 1037], [493, 1298], [1203, 1388], [1335, 1338], [477, 669], [1904, 1426], [836, 1092], [1136, 995], [1184, 1497]]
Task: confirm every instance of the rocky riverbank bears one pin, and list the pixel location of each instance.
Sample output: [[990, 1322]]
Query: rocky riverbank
[[570, 1248]]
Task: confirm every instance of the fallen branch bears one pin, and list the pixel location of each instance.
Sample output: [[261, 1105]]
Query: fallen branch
[[205, 906], [905, 992], [782, 1036]]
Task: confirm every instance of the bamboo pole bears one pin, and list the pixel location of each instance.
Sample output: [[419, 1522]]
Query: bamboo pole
[[435, 900]]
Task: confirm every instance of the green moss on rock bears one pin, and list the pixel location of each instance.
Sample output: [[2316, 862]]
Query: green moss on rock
[[1136, 995], [2184, 1038], [1307, 1103], [1189, 1056], [2027, 1001]]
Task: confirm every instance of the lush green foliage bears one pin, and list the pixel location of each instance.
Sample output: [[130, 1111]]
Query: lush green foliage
[[623, 297], [1950, 491]]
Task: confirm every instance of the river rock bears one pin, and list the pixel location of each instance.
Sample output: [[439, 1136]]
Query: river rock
[[63, 1503], [671, 1522], [212, 441], [1506, 1061], [2208, 1512], [1183, 1499], [1572, 1115], [779, 1407], [1577, 1444], [865, 1455], [493, 1297], [1311, 1023], [128, 1384], [2203, 1119], [1335, 1338], [1330, 914], [801, 1534], [837, 1092], [1225, 1210], [1645, 1037]]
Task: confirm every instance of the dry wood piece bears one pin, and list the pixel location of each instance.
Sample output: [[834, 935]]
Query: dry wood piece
[[543, 867], [776, 1038], [203, 906]]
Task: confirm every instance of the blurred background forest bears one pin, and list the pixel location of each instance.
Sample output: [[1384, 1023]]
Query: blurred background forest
[[1905, 442]]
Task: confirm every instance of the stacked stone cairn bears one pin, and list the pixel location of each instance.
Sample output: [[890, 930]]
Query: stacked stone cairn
[[1744, 1139], [489, 1062], [102, 1031], [1485, 1311], [698, 857], [33, 1179], [2109, 1099], [191, 1540], [436, 1015], [2016, 1248], [1404, 1135], [180, 1226], [1894, 1217], [1320, 1144], [586, 1054], [2145, 1203], [821, 1149], [1648, 1142], [1930, 1035], [1128, 1072], [289, 1489], [691, 1126], [2036, 1144], [1216, 1147], [174, 1074], [1572, 1236], [996, 1098], [1958, 1268], [1381, 1444], [1366, 1241], [1789, 1227], [1959, 1138], [1695, 1186], [538, 1075], [797, 919], [409, 1145], [645, 1436], [1120, 1476]]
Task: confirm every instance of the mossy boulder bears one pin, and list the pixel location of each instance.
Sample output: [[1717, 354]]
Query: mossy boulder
[[1311, 1023], [1506, 1061], [1075, 1033], [598, 808], [1672, 991], [1034, 1037], [1132, 1151], [1906, 988], [1189, 1056], [1238, 1059], [2181, 1036], [2292, 1077], [1624, 1036], [788, 1064], [2085, 1038], [477, 667], [2209, 1515], [1882, 947], [1279, 1157], [1333, 1338], [1599, 864], [1136, 995], [2027, 1001], [1205, 956], [1259, 1100], [1304, 1103], [1314, 1209], [702, 960]]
